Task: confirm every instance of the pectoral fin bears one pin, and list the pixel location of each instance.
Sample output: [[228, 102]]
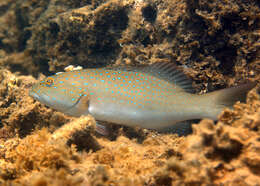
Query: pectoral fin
[[101, 129], [81, 107]]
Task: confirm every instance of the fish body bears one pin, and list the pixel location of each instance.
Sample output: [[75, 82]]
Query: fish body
[[154, 97]]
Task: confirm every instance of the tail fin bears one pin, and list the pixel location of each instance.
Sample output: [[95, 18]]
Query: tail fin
[[216, 101]]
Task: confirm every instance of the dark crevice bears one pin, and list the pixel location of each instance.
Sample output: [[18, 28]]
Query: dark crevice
[[149, 13], [63, 47], [234, 23], [43, 66], [25, 35], [54, 29], [227, 154], [73, 39], [74, 3], [163, 180], [146, 41], [227, 57], [258, 3], [109, 30], [7, 47], [84, 141], [4, 9], [21, 18], [118, 20], [18, 68]]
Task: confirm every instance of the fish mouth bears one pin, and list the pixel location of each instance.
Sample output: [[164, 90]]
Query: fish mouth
[[40, 98], [34, 95]]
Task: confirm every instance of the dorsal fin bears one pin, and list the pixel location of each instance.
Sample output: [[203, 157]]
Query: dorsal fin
[[170, 73], [163, 70]]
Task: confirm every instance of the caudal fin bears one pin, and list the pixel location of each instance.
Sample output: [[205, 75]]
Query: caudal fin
[[216, 101]]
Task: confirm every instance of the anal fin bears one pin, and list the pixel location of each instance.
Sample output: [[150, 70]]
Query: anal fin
[[182, 128]]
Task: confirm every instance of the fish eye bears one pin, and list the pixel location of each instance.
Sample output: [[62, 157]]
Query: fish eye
[[49, 81]]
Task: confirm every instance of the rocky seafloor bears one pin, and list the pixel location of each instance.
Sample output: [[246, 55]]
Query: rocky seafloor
[[216, 43]]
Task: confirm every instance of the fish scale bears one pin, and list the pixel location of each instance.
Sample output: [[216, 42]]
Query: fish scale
[[129, 88], [154, 97]]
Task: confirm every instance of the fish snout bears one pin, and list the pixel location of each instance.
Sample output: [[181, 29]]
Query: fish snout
[[34, 95]]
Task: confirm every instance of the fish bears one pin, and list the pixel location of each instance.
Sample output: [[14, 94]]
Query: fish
[[158, 96]]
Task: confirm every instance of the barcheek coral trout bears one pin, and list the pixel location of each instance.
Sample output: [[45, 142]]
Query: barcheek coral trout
[[153, 97]]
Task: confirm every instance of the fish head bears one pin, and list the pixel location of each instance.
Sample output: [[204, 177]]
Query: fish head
[[57, 93]]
